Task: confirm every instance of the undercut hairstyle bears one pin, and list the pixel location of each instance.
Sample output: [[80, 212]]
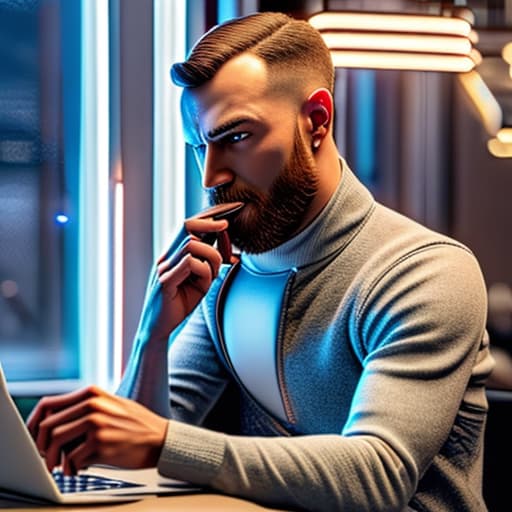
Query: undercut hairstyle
[[293, 50]]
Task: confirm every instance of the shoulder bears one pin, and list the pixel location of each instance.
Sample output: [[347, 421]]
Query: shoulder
[[397, 240], [417, 280]]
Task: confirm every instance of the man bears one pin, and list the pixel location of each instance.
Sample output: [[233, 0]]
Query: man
[[353, 337]]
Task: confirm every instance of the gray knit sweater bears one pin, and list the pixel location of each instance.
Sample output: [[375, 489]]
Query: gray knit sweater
[[380, 360]]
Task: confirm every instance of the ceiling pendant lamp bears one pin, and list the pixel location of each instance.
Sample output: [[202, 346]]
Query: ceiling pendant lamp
[[488, 89], [484, 101], [385, 40]]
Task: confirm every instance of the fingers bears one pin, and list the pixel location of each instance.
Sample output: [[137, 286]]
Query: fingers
[[78, 443], [207, 225], [47, 427], [64, 440], [195, 274], [102, 429], [199, 252], [182, 276], [224, 245], [206, 229], [197, 238], [180, 281], [196, 227], [78, 458], [52, 404]]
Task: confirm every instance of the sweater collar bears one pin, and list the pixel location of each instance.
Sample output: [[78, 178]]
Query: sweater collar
[[333, 228]]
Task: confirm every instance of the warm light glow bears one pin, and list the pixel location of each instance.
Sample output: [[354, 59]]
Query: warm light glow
[[507, 56], [397, 42], [390, 22], [476, 57], [484, 101], [401, 60], [507, 53], [499, 149], [505, 135], [473, 36]]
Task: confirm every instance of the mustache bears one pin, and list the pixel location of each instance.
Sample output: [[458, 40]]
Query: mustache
[[229, 194]]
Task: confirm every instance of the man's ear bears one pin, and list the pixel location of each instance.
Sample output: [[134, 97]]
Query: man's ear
[[319, 111]]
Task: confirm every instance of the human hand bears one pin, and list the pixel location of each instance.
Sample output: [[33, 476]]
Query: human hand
[[184, 273], [91, 426]]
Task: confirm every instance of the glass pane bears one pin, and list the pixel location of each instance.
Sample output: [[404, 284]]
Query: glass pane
[[39, 120]]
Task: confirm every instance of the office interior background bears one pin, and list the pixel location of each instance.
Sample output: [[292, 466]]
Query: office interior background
[[95, 176]]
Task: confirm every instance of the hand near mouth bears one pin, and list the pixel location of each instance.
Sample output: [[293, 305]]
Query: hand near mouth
[[184, 273], [209, 233]]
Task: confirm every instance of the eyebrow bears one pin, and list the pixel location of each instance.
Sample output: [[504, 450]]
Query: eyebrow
[[226, 127]]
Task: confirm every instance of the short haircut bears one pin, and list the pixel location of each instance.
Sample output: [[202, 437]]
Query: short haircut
[[293, 50]]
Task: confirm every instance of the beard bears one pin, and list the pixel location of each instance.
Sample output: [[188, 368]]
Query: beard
[[270, 219]]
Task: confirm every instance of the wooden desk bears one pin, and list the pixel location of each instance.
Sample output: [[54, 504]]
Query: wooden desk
[[192, 502], [189, 503]]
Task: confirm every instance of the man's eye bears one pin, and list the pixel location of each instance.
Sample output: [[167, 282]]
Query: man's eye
[[233, 138]]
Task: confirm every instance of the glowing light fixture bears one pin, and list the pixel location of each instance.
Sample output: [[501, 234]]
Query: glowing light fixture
[[504, 135], [390, 22], [94, 172], [61, 218], [169, 149], [398, 41], [501, 146], [490, 112], [485, 102], [506, 53], [499, 149]]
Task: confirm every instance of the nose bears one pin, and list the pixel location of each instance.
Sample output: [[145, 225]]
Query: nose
[[215, 169]]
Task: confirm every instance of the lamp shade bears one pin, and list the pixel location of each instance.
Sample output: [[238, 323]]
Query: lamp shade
[[507, 56], [507, 53], [398, 41], [484, 101], [499, 149]]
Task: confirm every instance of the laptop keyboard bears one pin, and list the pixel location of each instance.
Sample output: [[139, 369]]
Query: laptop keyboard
[[86, 482]]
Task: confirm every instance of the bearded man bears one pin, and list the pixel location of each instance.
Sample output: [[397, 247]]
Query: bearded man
[[351, 339]]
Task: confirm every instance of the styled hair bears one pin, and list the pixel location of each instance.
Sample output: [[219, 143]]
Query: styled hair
[[292, 49]]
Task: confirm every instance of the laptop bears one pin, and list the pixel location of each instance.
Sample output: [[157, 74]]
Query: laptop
[[24, 476]]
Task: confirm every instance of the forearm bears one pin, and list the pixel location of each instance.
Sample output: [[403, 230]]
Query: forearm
[[188, 389], [146, 377], [321, 472]]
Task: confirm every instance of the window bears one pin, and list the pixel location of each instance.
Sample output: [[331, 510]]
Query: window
[[39, 80], [86, 168]]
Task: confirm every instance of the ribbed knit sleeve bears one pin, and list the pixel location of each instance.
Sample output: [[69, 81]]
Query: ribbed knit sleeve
[[300, 473]]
